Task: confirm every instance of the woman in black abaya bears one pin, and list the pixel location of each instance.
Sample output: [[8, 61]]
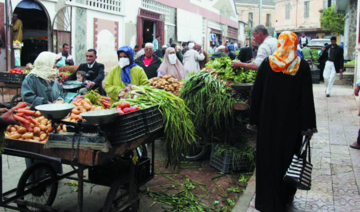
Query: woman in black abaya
[[282, 109]]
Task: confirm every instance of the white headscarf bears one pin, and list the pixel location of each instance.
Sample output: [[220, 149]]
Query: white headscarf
[[191, 45], [44, 66], [221, 47]]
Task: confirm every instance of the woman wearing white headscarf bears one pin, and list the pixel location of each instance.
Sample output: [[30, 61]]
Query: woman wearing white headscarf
[[40, 86]]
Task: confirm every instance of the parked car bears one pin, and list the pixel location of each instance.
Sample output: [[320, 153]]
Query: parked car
[[318, 43]]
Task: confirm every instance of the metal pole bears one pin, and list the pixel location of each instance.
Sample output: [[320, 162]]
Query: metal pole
[[260, 8]]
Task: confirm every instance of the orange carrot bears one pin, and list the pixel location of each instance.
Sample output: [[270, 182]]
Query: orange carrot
[[27, 112], [106, 98], [20, 114], [21, 119], [19, 105]]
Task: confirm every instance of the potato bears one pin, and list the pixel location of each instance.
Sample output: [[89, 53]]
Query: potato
[[43, 137], [28, 135], [22, 130], [37, 130]]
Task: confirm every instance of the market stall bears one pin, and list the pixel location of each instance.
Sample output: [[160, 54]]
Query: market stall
[[103, 141]]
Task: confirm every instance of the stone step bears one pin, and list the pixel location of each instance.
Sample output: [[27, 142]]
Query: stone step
[[348, 79]]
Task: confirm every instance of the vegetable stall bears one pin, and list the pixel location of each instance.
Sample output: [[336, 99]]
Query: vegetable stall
[[85, 135]]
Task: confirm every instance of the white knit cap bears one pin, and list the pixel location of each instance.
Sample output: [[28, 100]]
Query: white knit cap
[[191, 45], [149, 45], [220, 48]]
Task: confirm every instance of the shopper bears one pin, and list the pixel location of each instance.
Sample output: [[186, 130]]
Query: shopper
[[283, 111], [141, 52], [306, 52], [127, 72], [95, 71], [191, 60], [267, 46], [333, 65], [171, 65], [149, 62], [323, 57], [67, 59], [231, 53], [219, 52], [171, 41], [17, 28], [247, 54], [203, 62], [156, 42], [179, 55], [303, 40]]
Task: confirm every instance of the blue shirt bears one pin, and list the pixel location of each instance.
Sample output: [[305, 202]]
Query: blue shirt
[[156, 44]]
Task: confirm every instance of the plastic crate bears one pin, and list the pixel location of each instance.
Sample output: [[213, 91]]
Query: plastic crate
[[151, 111], [316, 81], [224, 162], [5, 77], [153, 123], [315, 71], [16, 78], [120, 138]]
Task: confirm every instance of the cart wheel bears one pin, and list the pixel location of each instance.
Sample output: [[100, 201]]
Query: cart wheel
[[118, 196], [38, 175], [197, 152], [15, 100]]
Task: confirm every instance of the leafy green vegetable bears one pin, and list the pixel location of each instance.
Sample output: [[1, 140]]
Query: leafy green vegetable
[[239, 75], [352, 62]]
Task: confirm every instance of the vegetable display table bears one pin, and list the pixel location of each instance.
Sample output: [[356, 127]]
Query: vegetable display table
[[44, 186]]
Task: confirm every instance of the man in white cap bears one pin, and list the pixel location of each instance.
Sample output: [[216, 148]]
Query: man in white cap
[[191, 60], [18, 28], [219, 52], [161, 52]]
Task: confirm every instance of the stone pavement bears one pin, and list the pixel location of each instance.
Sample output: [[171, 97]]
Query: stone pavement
[[336, 166]]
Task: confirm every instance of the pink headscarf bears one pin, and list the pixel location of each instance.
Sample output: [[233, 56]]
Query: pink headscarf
[[176, 70]]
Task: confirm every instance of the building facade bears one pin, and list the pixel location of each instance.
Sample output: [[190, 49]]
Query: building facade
[[106, 25], [249, 13]]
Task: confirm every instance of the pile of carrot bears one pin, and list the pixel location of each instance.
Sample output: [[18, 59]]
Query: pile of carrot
[[33, 126]]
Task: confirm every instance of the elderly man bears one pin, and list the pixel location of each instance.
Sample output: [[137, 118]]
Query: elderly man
[[94, 70], [191, 60], [219, 52], [161, 52], [171, 41], [66, 56], [268, 46], [149, 62]]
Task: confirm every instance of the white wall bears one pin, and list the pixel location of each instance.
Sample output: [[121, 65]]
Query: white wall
[[241, 33], [357, 56], [131, 9], [209, 5]]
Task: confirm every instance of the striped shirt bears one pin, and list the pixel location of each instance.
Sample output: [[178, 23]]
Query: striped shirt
[[267, 48]]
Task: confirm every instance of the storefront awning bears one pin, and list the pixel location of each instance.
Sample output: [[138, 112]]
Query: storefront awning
[[26, 4], [189, 26]]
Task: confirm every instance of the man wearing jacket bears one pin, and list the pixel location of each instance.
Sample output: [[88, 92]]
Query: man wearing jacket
[[334, 64], [97, 73], [149, 62]]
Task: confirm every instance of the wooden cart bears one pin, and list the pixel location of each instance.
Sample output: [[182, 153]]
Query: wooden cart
[[31, 183]]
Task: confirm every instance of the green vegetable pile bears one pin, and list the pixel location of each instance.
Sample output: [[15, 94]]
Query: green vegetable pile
[[352, 62], [239, 75], [178, 127], [210, 99], [314, 55]]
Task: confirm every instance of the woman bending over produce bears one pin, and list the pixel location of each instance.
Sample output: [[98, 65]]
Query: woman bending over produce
[[124, 74], [39, 86], [171, 65]]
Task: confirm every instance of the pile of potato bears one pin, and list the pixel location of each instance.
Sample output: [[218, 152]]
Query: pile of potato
[[37, 131], [167, 83], [82, 105]]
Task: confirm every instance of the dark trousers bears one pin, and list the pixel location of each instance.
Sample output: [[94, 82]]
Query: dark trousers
[[358, 139]]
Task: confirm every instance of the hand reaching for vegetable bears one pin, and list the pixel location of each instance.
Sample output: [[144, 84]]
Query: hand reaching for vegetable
[[90, 84], [3, 110], [8, 118]]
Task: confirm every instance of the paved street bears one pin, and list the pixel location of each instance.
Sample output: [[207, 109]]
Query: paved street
[[336, 173]]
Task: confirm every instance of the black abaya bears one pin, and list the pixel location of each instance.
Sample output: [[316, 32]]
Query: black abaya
[[282, 108]]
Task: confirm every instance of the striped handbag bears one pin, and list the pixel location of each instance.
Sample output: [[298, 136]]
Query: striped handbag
[[298, 174]]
